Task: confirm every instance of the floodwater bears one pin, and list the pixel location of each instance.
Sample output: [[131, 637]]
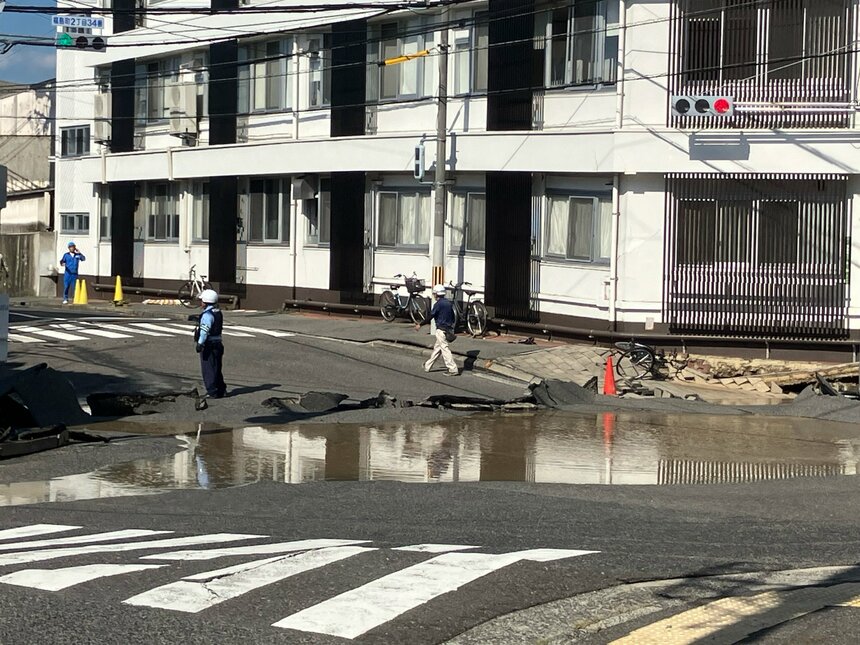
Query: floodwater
[[545, 447]]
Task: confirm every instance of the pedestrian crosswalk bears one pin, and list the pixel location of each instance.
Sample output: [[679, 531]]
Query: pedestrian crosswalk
[[427, 571], [65, 330]]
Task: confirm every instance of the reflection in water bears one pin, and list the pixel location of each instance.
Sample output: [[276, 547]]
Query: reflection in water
[[608, 448]]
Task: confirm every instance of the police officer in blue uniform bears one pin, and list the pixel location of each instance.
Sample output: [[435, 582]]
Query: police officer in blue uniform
[[209, 345]]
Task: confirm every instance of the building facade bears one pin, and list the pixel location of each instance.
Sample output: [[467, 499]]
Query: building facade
[[274, 150]]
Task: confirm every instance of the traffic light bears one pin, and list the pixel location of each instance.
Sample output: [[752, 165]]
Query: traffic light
[[418, 168], [92, 43], [703, 106]]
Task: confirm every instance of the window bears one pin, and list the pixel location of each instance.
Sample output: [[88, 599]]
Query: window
[[200, 211], [468, 223], [404, 219], [264, 84], [162, 213], [104, 213], [412, 78], [778, 232], [319, 50], [268, 210], [582, 43], [469, 49], [318, 213], [75, 142], [579, 228], [725, 39], [76, 223], [152, 81]]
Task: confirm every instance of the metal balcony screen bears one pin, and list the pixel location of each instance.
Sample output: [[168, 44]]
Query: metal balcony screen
[[787, 62], [763, 256]]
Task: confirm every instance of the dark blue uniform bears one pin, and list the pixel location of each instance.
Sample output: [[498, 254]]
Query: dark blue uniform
[[443, 314], [212, 351]]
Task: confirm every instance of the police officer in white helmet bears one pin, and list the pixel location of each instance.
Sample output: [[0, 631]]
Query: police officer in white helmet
[[209, 345]]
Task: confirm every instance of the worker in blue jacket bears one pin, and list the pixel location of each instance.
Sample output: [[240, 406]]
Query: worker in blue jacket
[[209, 345], [70, 260]]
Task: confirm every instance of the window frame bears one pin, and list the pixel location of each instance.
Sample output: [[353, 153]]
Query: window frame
[[82, 144], [81, 223], [403, 30], [201, 205], [461, 248], [171, 220], [152, 80], [473, 54], [605, 29], [281, 194], [255, 80], [597, 198], [105, 213], [319, 53], [399, 193], [321, 215]]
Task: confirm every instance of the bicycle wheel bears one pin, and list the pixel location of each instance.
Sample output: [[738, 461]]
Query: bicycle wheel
[[419, 309], [635, 364], [476, 319], [388, 306], [186, 294], [457, 316]]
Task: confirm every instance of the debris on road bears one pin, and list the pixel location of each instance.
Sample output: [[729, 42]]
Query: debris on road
[[39, 396], [124, 404]]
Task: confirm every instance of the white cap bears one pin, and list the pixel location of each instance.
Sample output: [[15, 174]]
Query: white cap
[[209, 296], [439, 289]]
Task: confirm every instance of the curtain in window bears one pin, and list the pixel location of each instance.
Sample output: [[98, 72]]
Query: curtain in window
[[244, 81], [272, 210], [256, 208], [603, 242], [387, 219], [477, 227], [424, 205], [458, 221], [581, 228], [276, 78], [462, 62], [409, 71], [556, 237], [389, 74], [558, 47], [201, 211], [406, 233], [482, 43]]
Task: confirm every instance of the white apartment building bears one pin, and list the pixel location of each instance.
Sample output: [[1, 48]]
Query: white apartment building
[[272, 149]]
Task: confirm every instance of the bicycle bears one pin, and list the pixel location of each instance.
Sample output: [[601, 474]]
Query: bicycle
[[470, 310], [189, 293], [638, 361], [392, 302]]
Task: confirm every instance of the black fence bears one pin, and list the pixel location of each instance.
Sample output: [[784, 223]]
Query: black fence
[[757, 255]]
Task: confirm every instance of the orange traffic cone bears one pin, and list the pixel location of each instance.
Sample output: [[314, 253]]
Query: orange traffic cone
[[609, 379]]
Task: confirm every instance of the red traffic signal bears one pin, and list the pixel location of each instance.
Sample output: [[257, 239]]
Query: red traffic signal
[[703, 106]]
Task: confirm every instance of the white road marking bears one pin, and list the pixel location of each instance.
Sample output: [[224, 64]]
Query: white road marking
[[434, 548], [203, 590], [266, 332], [81, 539], [160, 328], [225, 331], [359, 610], [59, 335], [256, 549], [24, 557], [133, 330], [93, 332], [35, 529], [58, 579], [16, 338]]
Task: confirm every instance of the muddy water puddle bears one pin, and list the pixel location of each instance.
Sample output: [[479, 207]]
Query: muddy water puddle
[[547, 447]]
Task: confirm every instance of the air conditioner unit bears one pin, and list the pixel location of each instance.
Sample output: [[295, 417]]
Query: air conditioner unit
[[102, 114], [139, 140], [183, 110], [241, 129]]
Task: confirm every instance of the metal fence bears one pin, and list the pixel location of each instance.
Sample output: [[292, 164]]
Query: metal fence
[[684, 471], [757, 255]]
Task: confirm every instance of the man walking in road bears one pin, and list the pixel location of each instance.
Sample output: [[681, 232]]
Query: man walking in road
[[70, 260], [443, 314], [209, 345]]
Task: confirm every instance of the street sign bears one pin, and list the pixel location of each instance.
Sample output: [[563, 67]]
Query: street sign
[[81, 22]]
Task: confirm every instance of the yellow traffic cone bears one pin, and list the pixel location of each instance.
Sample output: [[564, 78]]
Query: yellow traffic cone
[[77, 299], [84, 298], [117, 292]]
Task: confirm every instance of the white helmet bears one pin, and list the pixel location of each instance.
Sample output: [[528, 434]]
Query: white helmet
[[439, 289], [209, 296]]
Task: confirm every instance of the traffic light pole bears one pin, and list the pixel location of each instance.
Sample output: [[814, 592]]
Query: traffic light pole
[[440, 178]]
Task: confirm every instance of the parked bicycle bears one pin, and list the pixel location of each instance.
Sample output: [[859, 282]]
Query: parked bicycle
[[637, 361], [392, 302], [189, 293], [469, 311]]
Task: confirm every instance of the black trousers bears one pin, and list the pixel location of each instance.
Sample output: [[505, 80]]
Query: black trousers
[[211, 360]]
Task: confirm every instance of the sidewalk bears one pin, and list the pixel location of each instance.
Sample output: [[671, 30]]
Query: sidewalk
[[506, 355]]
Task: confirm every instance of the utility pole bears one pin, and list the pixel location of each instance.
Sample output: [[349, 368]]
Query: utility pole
[[440, 179]]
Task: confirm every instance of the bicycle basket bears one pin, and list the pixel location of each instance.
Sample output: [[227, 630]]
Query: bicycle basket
[[414, 285]]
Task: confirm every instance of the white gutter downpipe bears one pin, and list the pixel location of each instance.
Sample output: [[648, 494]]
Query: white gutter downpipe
[[613, 254], [619, 73]]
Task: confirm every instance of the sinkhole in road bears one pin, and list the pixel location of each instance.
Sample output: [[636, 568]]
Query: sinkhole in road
[[643, 448]]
